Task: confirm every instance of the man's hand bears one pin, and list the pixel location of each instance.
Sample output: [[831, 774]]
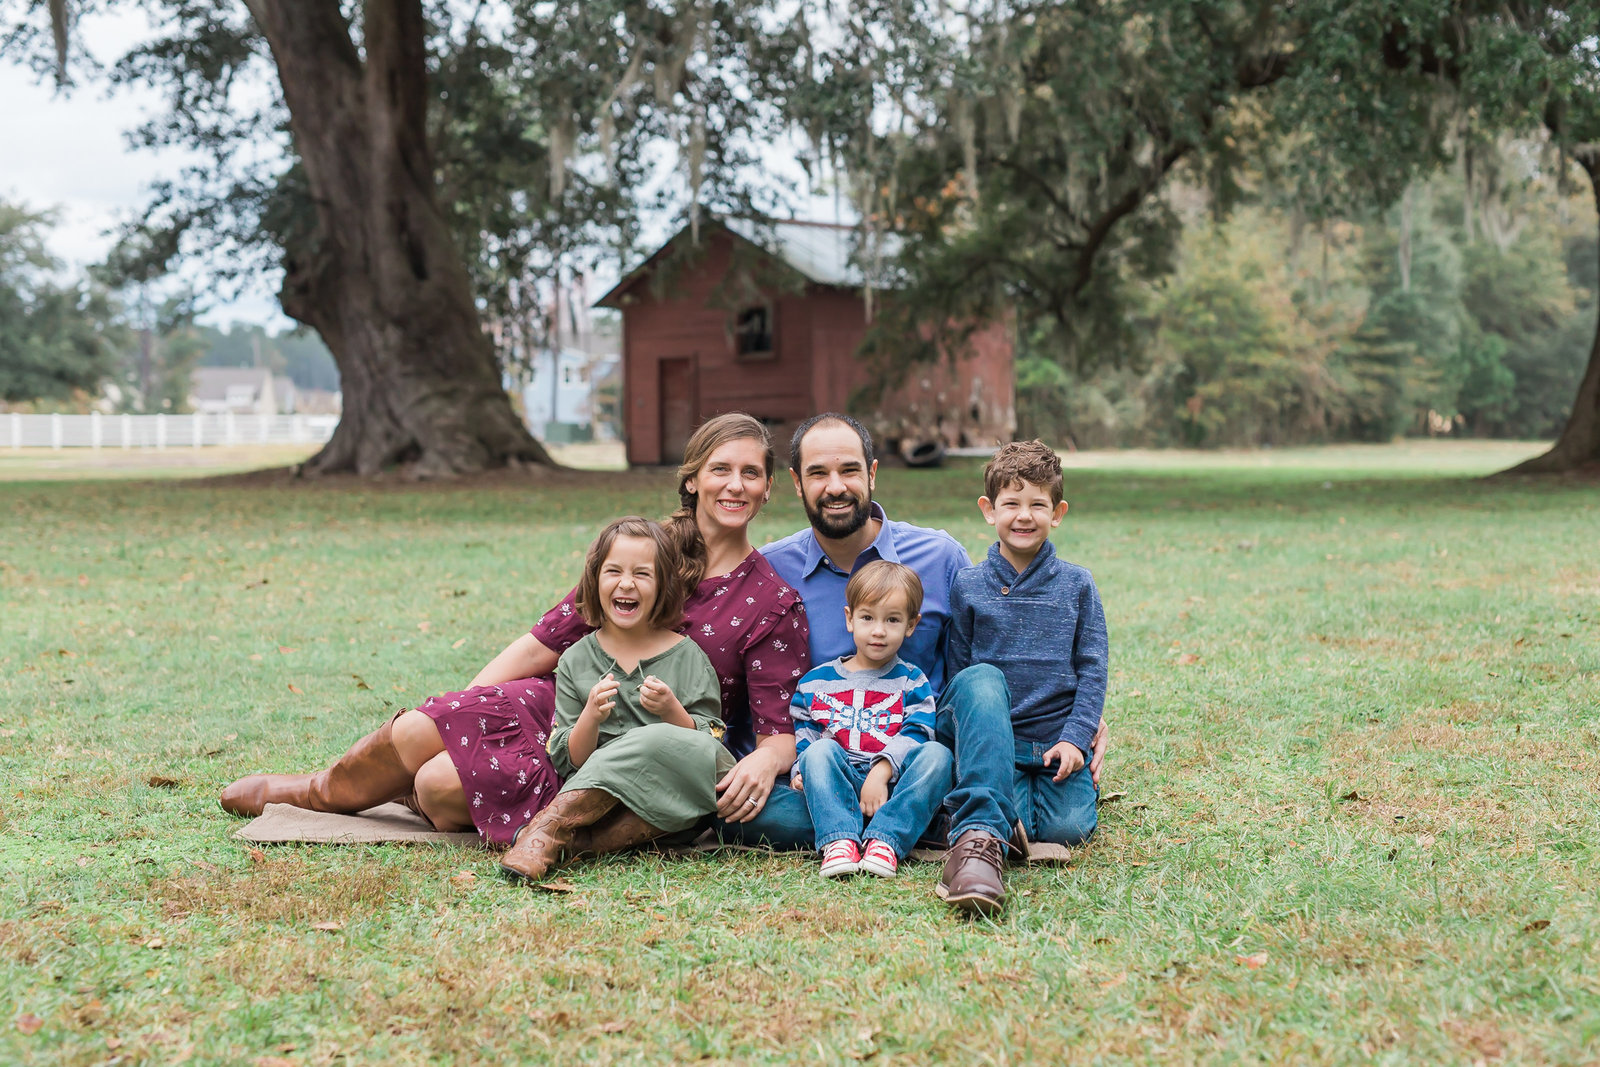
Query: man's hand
[[1068, 757], [1099, 745], [602, 699], [875, 790]]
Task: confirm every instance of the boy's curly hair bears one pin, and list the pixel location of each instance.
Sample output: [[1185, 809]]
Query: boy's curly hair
[[1030, 462]]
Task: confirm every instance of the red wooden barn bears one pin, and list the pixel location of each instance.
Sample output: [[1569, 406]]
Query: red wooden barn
[[731, 324]]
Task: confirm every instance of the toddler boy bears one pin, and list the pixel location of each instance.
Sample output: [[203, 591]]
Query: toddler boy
[[864, 728], [1037, 618]]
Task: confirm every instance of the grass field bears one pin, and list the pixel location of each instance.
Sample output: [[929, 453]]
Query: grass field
[[1356, 714]]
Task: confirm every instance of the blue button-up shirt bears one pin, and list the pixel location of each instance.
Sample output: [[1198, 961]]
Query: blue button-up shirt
[[933, 554]]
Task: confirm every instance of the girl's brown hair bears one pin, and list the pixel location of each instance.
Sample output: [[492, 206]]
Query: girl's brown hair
[[712, 435], [670, 590]]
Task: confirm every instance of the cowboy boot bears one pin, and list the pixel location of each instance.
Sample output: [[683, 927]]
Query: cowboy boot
[[370, 773], [546, 841], [615, 831]]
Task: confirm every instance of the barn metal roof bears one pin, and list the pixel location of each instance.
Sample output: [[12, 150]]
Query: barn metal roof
[[820, 251]]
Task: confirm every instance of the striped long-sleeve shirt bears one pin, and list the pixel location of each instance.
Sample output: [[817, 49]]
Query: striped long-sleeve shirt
[[872, 714]]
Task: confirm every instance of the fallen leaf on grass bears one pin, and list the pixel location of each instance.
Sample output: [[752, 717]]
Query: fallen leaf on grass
[[1255, 961], [560, 885], [1188, 659], [65, 652], [272, 1061], [155, 942], [328, 927], [296, 690], [1112, 798], [424, 626], [459, 643], [113, 1043], [361, 683], [1537, 924], [83, 580], [463, 879], [156, 781], [257, 856], [1352, 795], [29, 1023], [613, 1027], [1137, 693], [84, 861], [1113, 983], [256, 656], [285, 650], [256, 585]]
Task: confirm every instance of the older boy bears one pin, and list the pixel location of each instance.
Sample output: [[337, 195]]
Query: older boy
[[1038, 618]]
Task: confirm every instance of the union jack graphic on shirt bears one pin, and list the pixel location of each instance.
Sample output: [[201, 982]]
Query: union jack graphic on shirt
[[861, 710]]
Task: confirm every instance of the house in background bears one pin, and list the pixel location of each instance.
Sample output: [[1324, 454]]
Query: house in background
[[241, 390], [739, 326]]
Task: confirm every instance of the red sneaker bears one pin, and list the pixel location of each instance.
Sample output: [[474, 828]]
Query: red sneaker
[[879, 859], [840, 858]]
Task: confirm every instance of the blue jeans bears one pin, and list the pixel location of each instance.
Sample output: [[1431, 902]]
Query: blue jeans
[[1059, 812], [833, 795], [974, 722]]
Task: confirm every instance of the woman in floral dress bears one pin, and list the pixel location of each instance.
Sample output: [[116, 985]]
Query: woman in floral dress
[[477, 758]]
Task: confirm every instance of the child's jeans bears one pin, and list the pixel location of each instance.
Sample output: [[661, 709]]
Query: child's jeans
[[832, 786], [1059, 812]]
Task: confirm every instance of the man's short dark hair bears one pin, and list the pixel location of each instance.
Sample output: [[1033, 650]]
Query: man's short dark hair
[[828, 416]]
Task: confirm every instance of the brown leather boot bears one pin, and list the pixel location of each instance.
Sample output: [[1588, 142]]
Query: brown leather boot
[[370, 773], [546, 842], [971, 878], [616, 830]]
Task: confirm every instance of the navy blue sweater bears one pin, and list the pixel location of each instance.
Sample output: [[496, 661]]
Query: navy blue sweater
[[1046, 632]]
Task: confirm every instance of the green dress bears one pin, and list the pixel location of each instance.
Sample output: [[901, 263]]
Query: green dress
[[666, 774]]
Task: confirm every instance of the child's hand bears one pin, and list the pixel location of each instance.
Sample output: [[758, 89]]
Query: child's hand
[[1069, 756], [602, 699], [875, 790], [796, 784], [658, 698]]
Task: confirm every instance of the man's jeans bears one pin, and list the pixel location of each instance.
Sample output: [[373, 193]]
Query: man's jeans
[[833, 795], [1059, 812], [974, 722]]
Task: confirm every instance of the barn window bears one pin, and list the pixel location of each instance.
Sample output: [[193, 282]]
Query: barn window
[[752, 332]]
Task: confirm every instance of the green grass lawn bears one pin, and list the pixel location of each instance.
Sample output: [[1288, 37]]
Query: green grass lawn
[[1355, 721]]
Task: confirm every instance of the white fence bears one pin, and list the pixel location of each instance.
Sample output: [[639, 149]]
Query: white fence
[[162, 431]]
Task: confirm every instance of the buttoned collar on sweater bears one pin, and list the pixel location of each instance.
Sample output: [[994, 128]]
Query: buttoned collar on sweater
[[1008, 574]]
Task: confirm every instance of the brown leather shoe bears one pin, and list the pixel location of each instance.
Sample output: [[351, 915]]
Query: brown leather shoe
[[546, 842], [371, 773], [971, 878]]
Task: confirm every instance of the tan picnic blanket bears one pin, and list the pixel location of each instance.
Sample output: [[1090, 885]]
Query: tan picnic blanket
[[284, 824]]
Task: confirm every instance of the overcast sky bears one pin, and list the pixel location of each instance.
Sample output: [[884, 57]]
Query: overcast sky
[[70, 153]]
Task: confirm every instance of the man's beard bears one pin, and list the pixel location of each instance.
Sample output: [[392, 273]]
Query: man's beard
[[836, 526]]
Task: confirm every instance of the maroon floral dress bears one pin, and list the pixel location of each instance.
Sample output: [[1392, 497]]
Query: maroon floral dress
[[751, 625]]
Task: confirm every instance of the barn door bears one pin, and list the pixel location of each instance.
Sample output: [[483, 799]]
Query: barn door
[[677, 407]]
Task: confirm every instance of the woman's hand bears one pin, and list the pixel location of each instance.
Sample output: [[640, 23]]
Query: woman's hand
[[745, 788], [1100, 744], [602, 699]]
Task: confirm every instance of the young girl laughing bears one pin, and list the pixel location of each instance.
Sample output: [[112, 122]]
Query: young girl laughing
[[637, 736]]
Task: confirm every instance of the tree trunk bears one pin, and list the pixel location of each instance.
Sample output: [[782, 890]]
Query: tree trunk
[[381, 278], [1579, 444]]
